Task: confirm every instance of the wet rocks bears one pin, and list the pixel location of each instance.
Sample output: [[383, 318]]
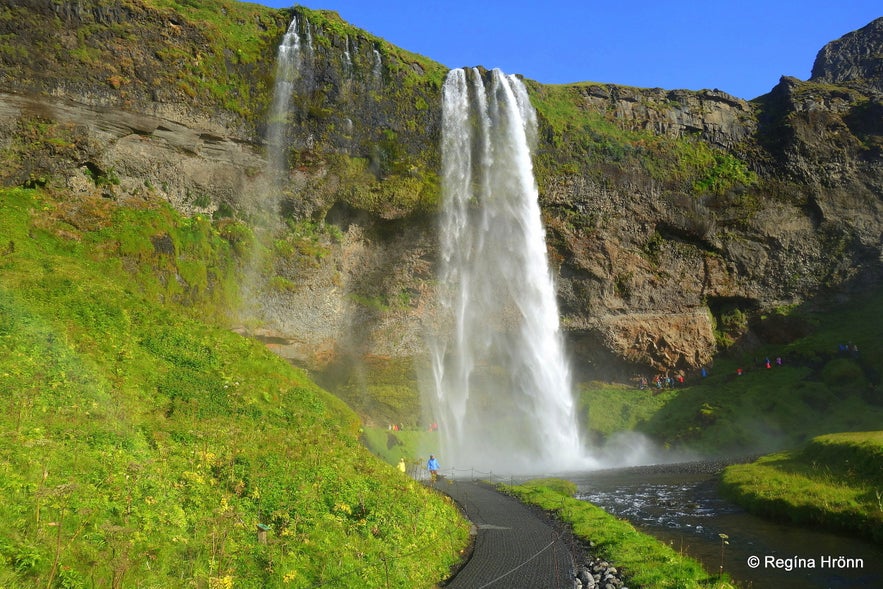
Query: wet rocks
[[597, 573]]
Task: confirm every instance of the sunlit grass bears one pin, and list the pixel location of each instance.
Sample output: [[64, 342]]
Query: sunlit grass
[[835, 481], [143, 445]]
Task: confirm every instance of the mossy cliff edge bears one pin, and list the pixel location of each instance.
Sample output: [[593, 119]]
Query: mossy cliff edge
[[676, 220]]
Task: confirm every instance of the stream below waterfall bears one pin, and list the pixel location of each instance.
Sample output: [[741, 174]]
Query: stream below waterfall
[[680, 505]]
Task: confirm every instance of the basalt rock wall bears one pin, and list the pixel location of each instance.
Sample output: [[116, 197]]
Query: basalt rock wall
[[655, 269]]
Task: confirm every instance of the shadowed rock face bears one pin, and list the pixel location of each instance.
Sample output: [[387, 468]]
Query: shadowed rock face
[[646, 270]]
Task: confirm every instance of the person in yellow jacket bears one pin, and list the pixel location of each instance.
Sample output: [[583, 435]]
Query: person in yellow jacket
[[402, 466]]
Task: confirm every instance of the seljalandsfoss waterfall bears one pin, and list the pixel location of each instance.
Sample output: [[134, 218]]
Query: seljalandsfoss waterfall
[[501, 385]]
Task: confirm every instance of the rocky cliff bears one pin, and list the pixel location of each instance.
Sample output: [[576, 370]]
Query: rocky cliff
[[676, 220], [853, 60]]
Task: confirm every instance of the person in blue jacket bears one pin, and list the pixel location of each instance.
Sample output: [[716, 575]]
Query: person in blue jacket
[[432, 467]]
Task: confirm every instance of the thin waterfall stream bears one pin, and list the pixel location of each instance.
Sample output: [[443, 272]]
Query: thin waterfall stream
[[288, 62]]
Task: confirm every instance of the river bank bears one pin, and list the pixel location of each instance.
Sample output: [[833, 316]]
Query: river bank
[[643, 560], [681, 506], [835, 481]]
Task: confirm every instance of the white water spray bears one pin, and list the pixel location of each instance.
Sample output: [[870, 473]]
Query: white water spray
[[377, 69], [288, 62], [502, 387]]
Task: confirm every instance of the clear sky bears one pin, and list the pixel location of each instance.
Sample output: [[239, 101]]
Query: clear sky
[[741, 47]]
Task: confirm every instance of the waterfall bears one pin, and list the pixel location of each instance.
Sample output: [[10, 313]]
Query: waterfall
[[288, 62], [377, 69], [502, 388], [347, 58]]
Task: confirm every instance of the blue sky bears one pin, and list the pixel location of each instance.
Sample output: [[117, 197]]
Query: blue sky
[[740, 47]]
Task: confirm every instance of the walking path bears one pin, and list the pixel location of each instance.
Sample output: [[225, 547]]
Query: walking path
[[513, 546]]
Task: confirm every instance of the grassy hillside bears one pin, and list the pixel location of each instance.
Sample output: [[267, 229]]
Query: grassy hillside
[[835, 481], [818, 388], [143, 444]]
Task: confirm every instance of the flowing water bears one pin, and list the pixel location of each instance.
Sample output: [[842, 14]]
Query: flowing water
[[501, 390], [288, 63], [679, 504]]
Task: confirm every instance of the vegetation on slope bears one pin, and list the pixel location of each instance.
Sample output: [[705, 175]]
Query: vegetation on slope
[[593, 144], [835, 481], [218, 53], [367, 120], [141, 444], [186, 52], [819, 388]]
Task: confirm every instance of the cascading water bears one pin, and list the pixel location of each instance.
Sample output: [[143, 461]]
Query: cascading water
[[502, 387], [377, 69], [288, 58]]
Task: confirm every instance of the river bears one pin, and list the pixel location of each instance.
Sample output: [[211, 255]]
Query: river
[[680, 505]]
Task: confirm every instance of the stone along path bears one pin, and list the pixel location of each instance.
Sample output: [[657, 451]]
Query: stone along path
[[513, 546]]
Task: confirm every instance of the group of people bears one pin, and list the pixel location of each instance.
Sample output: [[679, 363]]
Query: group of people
[[431, 465], [661, 381], [665, 381], [849, 348], [767, 363], [396, 427]]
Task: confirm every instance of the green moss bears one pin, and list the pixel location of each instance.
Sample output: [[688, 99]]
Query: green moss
[[405, 190], [587, 141]]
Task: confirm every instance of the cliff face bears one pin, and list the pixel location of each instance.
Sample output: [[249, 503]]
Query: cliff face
[[655, 274], [854, 59], [674, 218]]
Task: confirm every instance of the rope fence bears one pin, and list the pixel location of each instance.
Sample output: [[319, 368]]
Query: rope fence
[[474, 475], [418, 472]]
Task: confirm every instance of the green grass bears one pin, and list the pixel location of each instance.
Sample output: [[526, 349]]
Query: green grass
[[607, 408], [143, 443], [382, 390], [414, 446], [835, 481], [644, 561], [817, 390]]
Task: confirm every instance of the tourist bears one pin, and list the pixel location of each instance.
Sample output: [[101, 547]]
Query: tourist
[[432, 467], [402, 466]]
